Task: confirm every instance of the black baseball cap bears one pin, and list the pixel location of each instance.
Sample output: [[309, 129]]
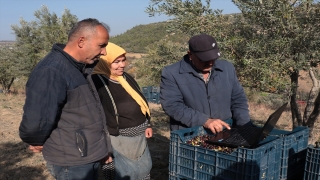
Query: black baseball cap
[[204, 46]]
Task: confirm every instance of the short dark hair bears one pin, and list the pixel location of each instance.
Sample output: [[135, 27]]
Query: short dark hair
[[88, 24]]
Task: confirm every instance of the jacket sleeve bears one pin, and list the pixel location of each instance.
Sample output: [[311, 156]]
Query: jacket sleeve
[[172, 102], [239, 103], [45, 97]]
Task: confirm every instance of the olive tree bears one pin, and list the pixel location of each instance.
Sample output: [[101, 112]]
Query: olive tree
[[34, 40], [237, 40], [270, 42], [8, 68], [188, 18], [160, 54], [287, 37]]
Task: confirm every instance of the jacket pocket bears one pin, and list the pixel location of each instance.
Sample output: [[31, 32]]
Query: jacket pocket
[[82, 144]]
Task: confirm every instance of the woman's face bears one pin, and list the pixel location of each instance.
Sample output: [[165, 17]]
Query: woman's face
[[118, 65]]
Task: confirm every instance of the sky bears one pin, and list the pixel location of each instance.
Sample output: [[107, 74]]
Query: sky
[[120, 15]]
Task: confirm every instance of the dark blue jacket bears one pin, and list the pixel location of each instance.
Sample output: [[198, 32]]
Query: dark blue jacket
[[63, 112], [189, 102]]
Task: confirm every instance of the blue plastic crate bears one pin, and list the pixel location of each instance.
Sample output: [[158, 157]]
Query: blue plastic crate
[[177, 177], [191, 162], [155, 89], [147, 96], [293, 155], [147, 89], [312, 165], [156, 101], [155, 97]]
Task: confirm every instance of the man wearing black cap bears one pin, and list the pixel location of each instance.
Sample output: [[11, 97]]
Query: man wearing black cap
[[202, 90]]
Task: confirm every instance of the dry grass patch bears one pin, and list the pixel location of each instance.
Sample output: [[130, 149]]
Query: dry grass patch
[[16, 162], [260, 113], [134, 55]]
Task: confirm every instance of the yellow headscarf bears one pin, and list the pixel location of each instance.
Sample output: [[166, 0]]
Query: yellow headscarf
[[103, 67]]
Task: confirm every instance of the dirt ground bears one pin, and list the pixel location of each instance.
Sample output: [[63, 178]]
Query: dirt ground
[[18, 163]]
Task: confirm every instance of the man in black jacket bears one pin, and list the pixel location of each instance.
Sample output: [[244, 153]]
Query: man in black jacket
[[63, 117]]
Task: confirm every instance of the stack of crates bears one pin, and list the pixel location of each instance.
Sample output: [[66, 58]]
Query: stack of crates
[[152, 94], [312, 165], [281, 156], [192, 162], [293, 151]]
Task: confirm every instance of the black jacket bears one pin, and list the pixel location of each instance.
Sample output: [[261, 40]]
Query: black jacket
[[63, 112]]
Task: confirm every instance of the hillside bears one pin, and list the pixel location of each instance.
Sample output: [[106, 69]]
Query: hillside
[[136, 39], [139, 37]]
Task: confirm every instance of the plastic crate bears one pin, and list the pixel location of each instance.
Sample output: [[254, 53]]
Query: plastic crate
[[293, 155], [155, 89], [190, 162], [147, 96], [155, 97], [147, 90], [312, 165], [177, 177]]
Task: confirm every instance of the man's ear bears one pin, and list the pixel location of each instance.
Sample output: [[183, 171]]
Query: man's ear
[[81, 41], [189, 53]]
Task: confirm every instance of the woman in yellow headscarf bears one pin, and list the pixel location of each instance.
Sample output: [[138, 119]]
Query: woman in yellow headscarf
[[128, 117]]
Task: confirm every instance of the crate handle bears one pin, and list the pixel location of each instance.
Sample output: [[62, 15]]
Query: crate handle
[[188, 134], [269, 149], [298, 137]]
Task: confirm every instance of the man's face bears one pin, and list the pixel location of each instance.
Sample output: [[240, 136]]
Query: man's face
[[203, 66], [95, 45]]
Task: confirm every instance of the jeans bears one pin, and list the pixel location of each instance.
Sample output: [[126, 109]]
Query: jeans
[[80, 172]]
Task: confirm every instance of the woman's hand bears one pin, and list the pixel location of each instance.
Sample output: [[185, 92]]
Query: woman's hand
[[148, 133]]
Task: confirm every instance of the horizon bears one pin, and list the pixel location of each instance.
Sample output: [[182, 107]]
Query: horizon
[[120, 18]]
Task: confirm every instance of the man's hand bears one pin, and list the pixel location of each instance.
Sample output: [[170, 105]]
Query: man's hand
[[216, 125], [36, 149], [148, 132], [107, 159]]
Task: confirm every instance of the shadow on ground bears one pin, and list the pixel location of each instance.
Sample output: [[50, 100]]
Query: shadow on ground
[[159, 145], [11, 156]]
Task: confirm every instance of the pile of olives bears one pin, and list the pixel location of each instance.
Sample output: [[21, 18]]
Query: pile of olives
[[201, 142]]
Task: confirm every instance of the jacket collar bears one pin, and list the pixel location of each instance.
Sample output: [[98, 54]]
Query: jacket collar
[[187, 67], [84, 68]]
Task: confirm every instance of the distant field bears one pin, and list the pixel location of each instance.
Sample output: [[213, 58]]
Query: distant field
[[7, 42], [135, 55]]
